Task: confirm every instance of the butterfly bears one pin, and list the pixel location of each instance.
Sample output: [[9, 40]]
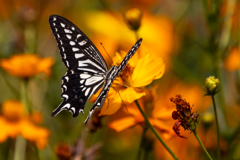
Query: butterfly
[[87, 70]]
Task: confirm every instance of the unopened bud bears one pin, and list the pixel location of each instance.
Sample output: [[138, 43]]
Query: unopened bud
[[207, 119], [211, 85], [133, 18]]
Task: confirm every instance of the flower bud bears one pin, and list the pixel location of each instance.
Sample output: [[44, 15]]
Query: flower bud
[[207, 119], [211, 85], [133, 18]]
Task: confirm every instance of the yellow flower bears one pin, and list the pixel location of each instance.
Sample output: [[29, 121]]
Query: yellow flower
[[158, 117], [139, 72], [14, 122], [27, 65]]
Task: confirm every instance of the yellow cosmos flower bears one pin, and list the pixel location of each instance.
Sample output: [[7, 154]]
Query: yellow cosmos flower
[[14, 122], [139, 72], [27, 65], [158, 117]]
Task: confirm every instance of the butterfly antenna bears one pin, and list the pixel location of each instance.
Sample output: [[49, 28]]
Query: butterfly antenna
[[121, 84], [106, 52]]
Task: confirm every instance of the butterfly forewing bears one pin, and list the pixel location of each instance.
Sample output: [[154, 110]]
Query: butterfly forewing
[[74, 44]]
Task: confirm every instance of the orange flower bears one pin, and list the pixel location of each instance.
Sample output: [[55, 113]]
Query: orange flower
[[157, 31], [138, 72], [27, 65], [159, 115], [14, 122], [232, 62]]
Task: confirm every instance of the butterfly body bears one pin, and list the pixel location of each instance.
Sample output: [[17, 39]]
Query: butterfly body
[[87, 70]]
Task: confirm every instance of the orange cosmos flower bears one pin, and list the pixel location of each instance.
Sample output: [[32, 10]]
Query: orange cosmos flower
[[232, 62], [14, 122], [159, 116], [157, 32], [138, 72], [27, 65]]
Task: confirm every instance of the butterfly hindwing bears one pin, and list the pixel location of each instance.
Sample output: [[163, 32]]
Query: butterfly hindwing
[[77, 88]]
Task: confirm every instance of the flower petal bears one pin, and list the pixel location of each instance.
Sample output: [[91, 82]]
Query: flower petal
[[112, 104], [131, 94], [232, 62], [44, 66], [176, 128], [34, 133], [26, 65], [133, 110], [162, 112], [147, 69], [159, 125], [122, 124], [3, 133]]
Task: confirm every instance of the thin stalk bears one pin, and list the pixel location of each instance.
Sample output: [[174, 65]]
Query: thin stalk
[[136, 35], [154, 131], [24, 96], [36, 152], [20, 143], [139, 154], [200, 142], [20, 146], [218, 133]]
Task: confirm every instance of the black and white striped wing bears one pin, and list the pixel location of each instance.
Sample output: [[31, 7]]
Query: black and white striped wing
[[127, 57], [111, 75], [77, 87], [74, 44], [85, 64]]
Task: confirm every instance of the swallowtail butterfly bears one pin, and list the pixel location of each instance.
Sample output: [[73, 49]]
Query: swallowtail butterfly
[[87, 70]]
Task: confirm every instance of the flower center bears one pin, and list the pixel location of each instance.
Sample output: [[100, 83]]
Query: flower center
[[127, 71]]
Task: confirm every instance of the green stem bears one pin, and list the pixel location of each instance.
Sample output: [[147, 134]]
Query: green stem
[[20, 146], [24, 96], [200, 142], [36, 152], [154, 131], [218, 133], [141, 143], [136, 35]]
